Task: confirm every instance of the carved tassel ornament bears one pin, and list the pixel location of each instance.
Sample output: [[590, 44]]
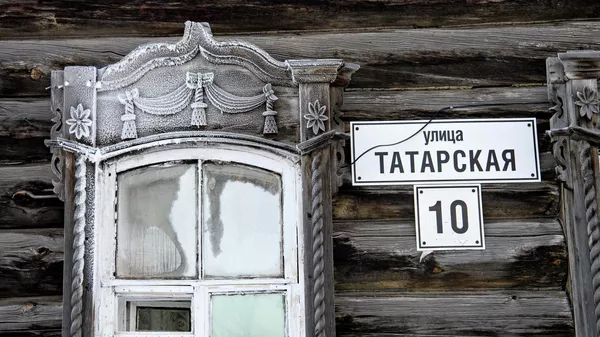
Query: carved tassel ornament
[[270, 123]]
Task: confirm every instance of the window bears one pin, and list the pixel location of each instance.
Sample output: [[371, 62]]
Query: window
[[197, 178], [200, 242]]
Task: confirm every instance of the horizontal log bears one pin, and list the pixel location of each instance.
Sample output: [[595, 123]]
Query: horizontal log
[[26, 121], [503, 313], [506, 313], [32, 333], [31, 262], [445, 104], [31, 316], [500, 201], [74, 18], [20, 210], [19, 207], [502, 102], [382, 256], [369, 255], [493, 56]]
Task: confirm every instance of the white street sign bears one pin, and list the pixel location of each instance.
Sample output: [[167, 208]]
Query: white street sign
[[449, 217], [445, 151]]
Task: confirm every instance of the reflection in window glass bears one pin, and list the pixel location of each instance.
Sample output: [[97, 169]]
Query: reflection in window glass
[[256, 315], [157, 315], [163, 319], [157, 221], [242, 222]]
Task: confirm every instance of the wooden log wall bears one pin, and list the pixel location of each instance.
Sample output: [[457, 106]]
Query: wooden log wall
[[416, 57]]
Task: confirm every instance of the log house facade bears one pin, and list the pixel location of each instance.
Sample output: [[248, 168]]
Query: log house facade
[[477, 60]]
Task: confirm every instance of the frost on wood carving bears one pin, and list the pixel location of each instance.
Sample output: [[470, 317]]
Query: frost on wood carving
[[196, 98], [197, 86], [194, 84]]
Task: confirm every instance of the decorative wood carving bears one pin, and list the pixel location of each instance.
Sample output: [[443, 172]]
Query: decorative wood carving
[[316, 117], [572, 88], [587, 100], [154, 100], [80, 122], [57, 161], [196, 86]]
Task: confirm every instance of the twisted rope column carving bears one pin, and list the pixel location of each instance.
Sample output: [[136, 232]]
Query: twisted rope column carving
[[78, 248], [317, 248], [591, 210]]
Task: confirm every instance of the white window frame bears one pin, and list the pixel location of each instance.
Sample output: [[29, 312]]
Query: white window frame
[[110, 290]]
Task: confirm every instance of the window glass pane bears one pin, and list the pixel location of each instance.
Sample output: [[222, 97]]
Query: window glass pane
[[156, 223], [163, 319], [155, 315], [242, 222], [255, 315]]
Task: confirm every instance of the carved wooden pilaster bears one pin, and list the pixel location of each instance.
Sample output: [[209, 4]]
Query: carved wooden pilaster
[[314, 78], [572, 88]]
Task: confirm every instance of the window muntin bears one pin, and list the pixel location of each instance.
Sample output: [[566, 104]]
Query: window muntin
[[288, 283]]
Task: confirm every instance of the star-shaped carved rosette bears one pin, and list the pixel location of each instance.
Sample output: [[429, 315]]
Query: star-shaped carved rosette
[[316, 117], [587, 102], [80, 122]]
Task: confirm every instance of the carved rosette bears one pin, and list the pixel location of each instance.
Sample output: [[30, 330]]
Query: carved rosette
[[80, 122], [587, 101], [316, 117]]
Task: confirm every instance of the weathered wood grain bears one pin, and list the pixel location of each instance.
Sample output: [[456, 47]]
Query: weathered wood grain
[[381, 256], [369, 256], [503, 313], [500, 201], [18, 209], [31, 262], [32, 333], [74, 18], [25, 122], [493, 56], [31, 316], [466, 103]]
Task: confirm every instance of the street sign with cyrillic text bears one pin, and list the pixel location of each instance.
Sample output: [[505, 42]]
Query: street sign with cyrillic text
[[445, 151]]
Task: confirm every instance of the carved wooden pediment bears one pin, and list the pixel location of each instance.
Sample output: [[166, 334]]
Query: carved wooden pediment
[[197, 83]]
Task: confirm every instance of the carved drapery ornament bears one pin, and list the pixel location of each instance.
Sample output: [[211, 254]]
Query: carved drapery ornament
[[197, 86], [159, 98]]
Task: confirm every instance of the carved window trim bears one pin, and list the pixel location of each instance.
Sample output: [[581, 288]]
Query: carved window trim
[[80, 149]]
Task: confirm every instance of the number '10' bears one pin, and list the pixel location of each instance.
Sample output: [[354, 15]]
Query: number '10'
[[437, 208]]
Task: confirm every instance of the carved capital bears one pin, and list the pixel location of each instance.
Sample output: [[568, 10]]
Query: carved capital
[[581, 64], [314, 71]]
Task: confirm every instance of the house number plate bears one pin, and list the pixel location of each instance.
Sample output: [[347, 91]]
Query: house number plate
[[449, 217]]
